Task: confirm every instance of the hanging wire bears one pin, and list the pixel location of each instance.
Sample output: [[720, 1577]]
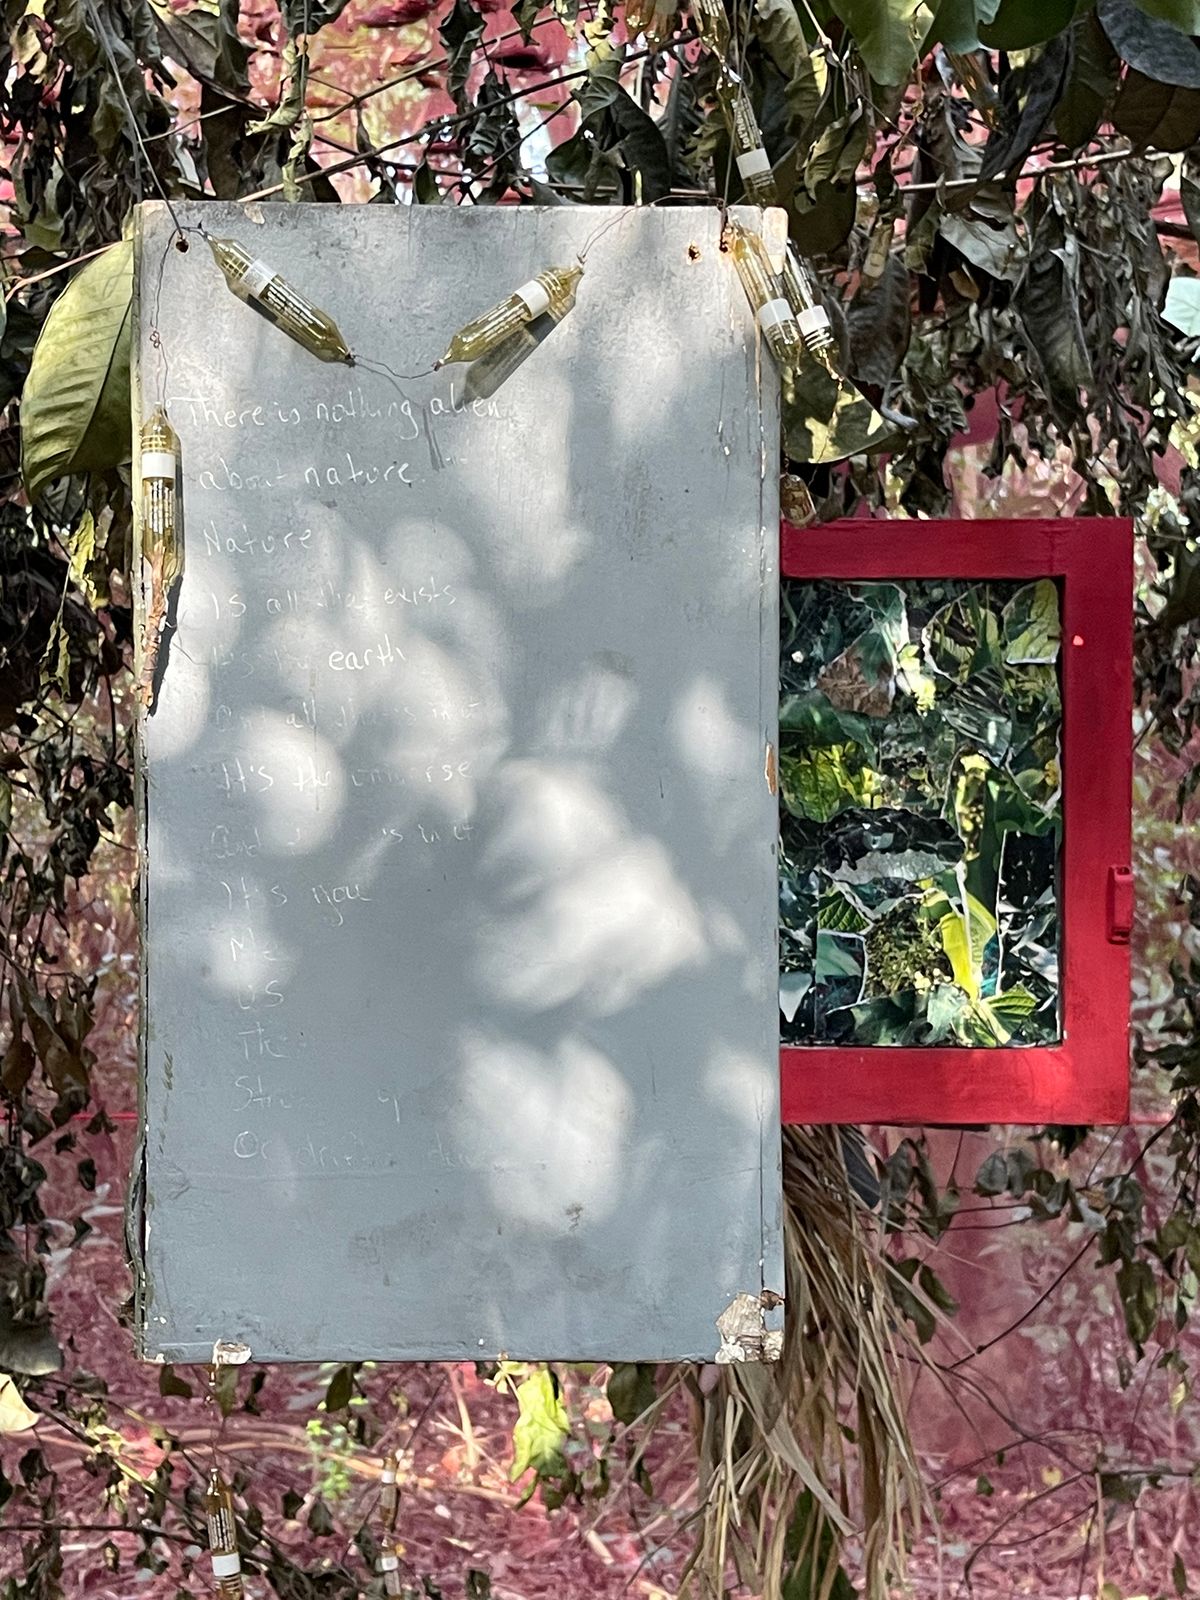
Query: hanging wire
[[140, 153]]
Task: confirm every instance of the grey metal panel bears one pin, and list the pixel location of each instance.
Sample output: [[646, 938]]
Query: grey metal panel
[[459, 846]]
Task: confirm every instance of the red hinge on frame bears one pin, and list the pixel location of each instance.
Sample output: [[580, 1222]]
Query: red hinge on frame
[[1120, 905]]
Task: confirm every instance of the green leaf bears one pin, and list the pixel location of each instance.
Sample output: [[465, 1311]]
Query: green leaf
[[460, 34], [936, 1290], [965, 937], [811, 1550], [1021, 24], [425, 186], [225, 1386], [805, 94], [888, 34], [1048, 305], [1037, 87], [984, 231], [642, 145], [205, 42], [778, 29], [1032, 632], [170, 1383], [1179, 1577], [1013, 1004], [1157, 116], [1151, 46], [829, 419], [320, 1519], [311, 14], [957, 24], [913, 1306], [821, 782], [18, 1063], [59, 1046], [992, 1178], [1139, 1299], [1091, 83], [1181, 14], [340, 1390], [75, 404], [541, 1429], [817, 722], [631, 1390]]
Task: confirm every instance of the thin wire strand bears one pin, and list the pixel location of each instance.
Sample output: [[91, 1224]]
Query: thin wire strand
[[139, 149]]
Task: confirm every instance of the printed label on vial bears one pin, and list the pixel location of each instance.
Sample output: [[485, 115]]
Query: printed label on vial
[[535, 298], [754, 163], [256, 278], [226, 1564]]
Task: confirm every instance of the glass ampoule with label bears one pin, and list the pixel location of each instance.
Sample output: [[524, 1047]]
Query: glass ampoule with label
[[158, 462], [804, 297], [486, 375], [770, 305], [222, 1539], [749, 154], [551, 293], [292, 313]]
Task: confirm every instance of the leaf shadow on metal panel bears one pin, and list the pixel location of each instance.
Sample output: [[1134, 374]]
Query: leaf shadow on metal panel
[[458, 937]]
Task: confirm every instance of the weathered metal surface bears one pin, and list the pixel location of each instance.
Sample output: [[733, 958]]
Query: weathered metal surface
[[458, 848]]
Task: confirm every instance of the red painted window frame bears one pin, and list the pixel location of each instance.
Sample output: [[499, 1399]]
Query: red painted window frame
[[1085, 1078]]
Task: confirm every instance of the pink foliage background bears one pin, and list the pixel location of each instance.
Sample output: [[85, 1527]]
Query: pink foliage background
[[1030, 1408]]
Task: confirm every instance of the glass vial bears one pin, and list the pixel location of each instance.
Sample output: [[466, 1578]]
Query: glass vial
[[551, 293], [498, 366], [749, 155], [389, 1493], [712, 24], [291, 312], [765, 293], [159, 463], [222, 1539], [388, 1568], [804, 297]]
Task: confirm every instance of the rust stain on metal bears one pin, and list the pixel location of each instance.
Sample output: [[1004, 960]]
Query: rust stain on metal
[[770, 770]]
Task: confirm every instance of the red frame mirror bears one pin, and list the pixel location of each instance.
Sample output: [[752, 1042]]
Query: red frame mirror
[[1084, 1078]]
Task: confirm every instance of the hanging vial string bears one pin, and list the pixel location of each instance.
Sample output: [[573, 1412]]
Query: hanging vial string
[[750, 156], [291, 312], [389, 1493], [804, 297], [765, 293], [551, 293], [712, 25], [388, 1567], [222, 1538], [158, 460]]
